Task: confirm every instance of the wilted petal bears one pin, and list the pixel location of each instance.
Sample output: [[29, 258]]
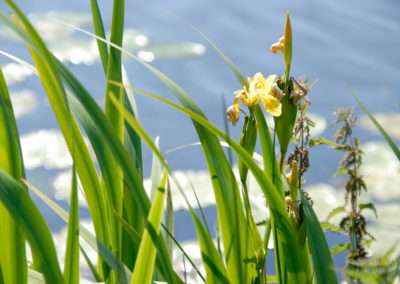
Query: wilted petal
[[233, 113]]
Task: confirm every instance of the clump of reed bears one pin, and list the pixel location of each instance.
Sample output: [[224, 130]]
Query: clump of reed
[[133, 243]]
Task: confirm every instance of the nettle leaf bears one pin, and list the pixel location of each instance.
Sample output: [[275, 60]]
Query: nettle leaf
[[370, 206], [339, 248], [368, 277], [334, 212], [326, 226], [343, 172], [368, 242], [323, 141]]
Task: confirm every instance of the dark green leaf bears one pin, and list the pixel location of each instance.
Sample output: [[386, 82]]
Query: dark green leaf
[[31, 223], [323, 264]]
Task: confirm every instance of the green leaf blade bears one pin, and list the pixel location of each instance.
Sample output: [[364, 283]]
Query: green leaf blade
[[29, 220], [13, 263], [383, 132], [143, 271], [322, 259], [71, 263]]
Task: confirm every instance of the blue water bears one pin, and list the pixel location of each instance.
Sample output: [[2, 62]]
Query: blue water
[[337, 42], [353, 42]]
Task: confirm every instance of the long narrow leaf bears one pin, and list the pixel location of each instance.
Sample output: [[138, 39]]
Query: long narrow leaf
[[68, 126], [114, 72], [322, 259], [215, 269], [92, 268], [99, 30], [271, 167], [13, 266], [114, 68], [235, 238], [31, 223], [71, 263], [284, 227], [93, 114], [123, 273], [385, 135], [143, 272], [231, 65]]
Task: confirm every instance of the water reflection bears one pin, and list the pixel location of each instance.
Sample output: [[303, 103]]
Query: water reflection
[[45, 148], [60, 240], [24, 102], [46, 25], [380, 169], [15, 73], [389, 121], [72, 47]]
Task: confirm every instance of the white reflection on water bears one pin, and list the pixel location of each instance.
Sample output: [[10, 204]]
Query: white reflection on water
[[45, 148], [62, 185], [146, 55], [46, 25], [15, 73], [76, 51], [23, 102], [380, 170], [71, 47], [389, 121], [60, 240]]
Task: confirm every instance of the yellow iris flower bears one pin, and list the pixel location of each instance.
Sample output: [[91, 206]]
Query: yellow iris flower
[[259, 89]]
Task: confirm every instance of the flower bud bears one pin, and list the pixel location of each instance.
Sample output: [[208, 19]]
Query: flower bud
[[278, 46], [233, 114]]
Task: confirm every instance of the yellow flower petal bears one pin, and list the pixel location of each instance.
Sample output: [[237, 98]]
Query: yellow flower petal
[[269, 81], [277, 46], [272, 105]]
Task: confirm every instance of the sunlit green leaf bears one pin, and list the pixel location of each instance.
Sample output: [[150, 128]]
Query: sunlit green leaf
[[31, 223]]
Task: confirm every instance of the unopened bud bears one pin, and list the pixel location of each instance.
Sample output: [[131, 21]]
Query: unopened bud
[[288, 201], [233, 114]]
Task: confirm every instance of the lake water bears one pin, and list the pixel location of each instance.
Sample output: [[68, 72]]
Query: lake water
[[353, 42]]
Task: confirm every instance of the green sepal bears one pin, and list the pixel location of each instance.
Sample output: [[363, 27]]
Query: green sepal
[[284, 124], [248, 140]]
